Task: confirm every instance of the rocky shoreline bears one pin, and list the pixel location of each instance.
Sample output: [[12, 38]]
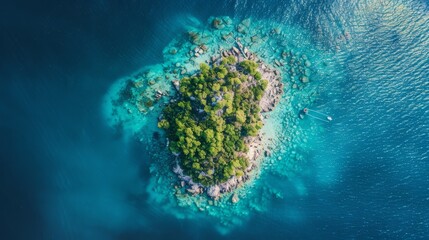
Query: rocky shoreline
[[256, 144]]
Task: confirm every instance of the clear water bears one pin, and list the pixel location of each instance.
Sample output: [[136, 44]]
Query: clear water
[[66, 174]]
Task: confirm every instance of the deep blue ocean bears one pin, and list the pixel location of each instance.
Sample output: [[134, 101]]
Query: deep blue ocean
[[64, 174]]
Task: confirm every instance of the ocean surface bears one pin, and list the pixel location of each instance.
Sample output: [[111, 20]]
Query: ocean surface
[[65, 173]]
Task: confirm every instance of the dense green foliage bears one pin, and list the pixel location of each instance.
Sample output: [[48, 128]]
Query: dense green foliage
[[215, 110]]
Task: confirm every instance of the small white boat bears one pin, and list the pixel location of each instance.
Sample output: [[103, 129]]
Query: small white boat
[[315, 114]]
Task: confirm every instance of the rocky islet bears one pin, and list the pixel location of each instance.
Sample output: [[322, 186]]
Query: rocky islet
[[134, 107]]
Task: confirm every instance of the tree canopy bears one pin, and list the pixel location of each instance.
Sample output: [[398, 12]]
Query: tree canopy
[[214, 111]]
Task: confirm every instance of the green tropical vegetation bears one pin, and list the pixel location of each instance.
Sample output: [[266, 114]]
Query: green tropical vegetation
[[213, 113]]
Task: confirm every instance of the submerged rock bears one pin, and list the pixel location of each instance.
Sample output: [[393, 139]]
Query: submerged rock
[[173, 51], [304, 79], [226, 36], [217, 23], [176, 84], [241, 28], [138, 84], [246, 22], [194, 37], [148, 103], [254, 38]]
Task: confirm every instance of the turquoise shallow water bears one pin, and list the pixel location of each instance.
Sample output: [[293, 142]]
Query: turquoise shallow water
[[67, 174]]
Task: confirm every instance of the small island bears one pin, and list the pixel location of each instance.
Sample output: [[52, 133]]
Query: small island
[[220, 110], [213, 124]]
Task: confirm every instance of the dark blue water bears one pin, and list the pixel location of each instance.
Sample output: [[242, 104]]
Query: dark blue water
[[66, 175]]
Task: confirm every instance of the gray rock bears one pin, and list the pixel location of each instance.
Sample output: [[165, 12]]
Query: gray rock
[[214, 191], [194, 189], [235, 198], [236, 50]]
